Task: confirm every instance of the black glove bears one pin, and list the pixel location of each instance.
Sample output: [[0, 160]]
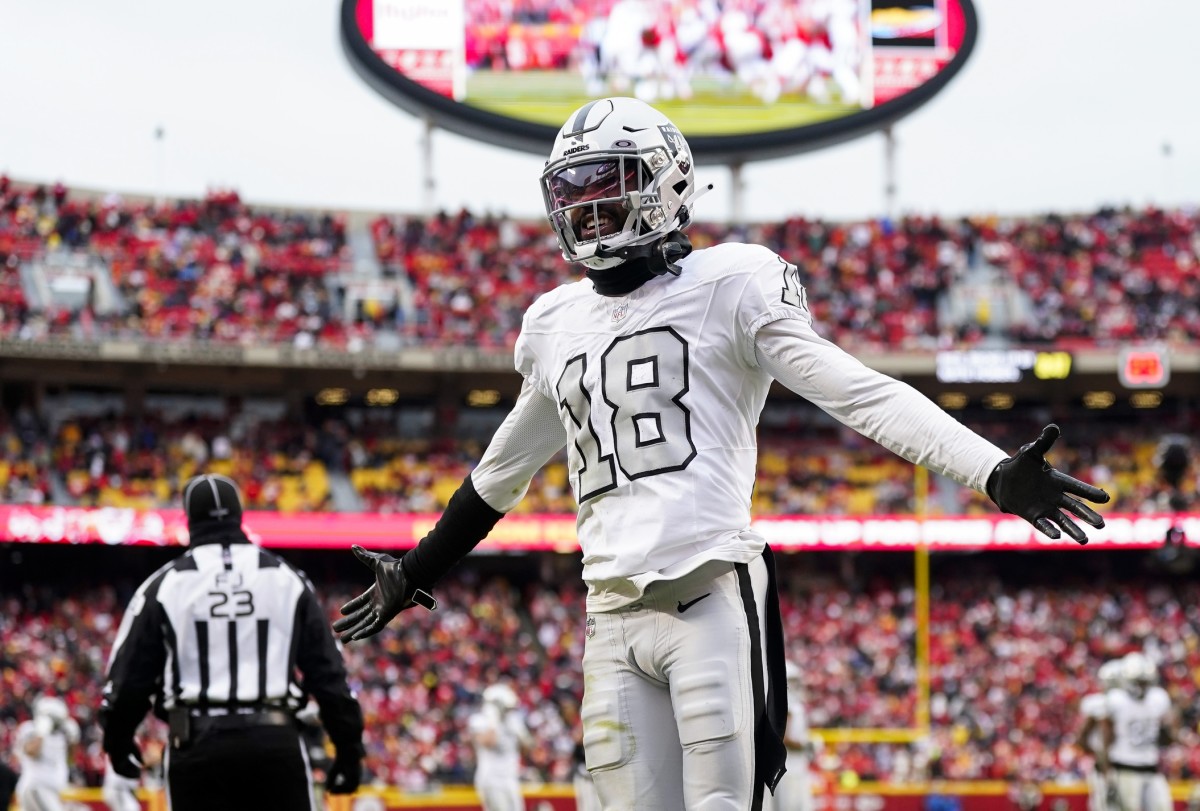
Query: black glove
[[1027, 486], [127, 760], [370, 612], [343, 776]]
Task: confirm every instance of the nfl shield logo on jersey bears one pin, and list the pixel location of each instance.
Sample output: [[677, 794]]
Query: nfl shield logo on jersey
[[620, 310], [589, 627]]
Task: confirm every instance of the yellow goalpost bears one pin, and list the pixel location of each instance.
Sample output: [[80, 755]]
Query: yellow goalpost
[[920, 728]]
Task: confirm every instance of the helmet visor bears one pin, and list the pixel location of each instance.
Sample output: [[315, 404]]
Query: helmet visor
[[593, 181]]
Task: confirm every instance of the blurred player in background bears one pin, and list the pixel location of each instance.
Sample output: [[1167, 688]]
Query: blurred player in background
[[120, 792], [44, 749], [1140, 722], [1094, 709], [653, 372], [499, 735], [794, 792]]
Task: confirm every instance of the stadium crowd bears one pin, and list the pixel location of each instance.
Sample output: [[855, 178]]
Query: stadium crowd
[[807, 465], [1010, 659], [218, 269]]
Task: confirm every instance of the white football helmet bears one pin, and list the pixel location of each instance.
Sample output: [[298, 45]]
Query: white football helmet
[[49, 707], [1138, 672], [500, 696], [619, 179], [1110, 674]]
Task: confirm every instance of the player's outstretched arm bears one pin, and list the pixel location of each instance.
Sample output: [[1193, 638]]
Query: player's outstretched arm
[[1026, 485]]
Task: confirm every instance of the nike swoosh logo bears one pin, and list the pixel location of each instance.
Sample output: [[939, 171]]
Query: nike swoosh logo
[[685, 606], [635, 129]]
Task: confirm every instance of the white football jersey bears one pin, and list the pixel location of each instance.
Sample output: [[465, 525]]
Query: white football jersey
[[660, 393], [1136, 723], [501, 761], [50, 769], [1094, 706]]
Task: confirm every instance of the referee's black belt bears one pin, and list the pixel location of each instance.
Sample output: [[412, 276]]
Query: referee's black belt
[[1125, 767], [243, 720]]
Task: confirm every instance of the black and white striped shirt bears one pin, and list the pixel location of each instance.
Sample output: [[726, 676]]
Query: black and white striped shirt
[[227, 627]]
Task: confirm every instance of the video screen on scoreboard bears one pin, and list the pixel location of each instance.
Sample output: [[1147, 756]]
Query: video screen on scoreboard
[[716, 67]]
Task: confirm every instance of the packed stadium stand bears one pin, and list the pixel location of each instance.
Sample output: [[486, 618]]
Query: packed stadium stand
[[221, 270]]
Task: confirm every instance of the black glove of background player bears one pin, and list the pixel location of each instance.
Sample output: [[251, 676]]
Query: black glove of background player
[[1027, 486], [370, 612], [343, 775]]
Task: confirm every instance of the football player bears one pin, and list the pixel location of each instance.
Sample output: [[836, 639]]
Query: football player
[[1094, 709], [1140, 722], [653, 371], [43, 748], [499, 736]]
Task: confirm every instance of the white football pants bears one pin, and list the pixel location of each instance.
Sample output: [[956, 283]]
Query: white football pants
[[1142, 791], [670, 683]]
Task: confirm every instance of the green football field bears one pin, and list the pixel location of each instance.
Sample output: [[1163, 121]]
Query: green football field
[[548, 97]]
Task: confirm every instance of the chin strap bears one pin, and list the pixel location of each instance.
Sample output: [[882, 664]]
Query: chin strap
[[673, 248]]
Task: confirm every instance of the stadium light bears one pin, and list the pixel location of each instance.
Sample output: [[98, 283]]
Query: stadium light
[[1098, 399], [332, 396], [382, 397], [952, 400], [483, 398]]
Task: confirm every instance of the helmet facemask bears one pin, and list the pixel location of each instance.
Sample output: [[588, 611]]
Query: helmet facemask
[[603, 205]]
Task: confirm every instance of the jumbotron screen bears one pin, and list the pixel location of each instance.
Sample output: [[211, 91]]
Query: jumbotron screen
[[719, 68]]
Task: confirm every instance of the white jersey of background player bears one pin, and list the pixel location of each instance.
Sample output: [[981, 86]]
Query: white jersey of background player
[[1140, 720], [43, 747], [1094, 709], [653, 373], [498, 734], [794, 792]]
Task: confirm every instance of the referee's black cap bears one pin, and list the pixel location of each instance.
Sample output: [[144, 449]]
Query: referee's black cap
[[212, 502]]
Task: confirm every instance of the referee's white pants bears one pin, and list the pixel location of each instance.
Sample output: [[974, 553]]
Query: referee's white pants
[[1142, 791], [36, 797], [669, 705]]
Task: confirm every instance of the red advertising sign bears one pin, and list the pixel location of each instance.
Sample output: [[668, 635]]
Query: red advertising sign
[[556, 533]]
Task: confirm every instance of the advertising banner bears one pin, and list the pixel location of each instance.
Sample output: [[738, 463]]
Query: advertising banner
[[556, 533]]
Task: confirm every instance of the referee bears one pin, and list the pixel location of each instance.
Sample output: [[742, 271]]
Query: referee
[[228, 641]]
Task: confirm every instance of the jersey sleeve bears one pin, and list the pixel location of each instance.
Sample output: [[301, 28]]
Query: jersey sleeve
[[771, 291], [1093, 706], [879, 407], [135, 665], [319, 659]]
